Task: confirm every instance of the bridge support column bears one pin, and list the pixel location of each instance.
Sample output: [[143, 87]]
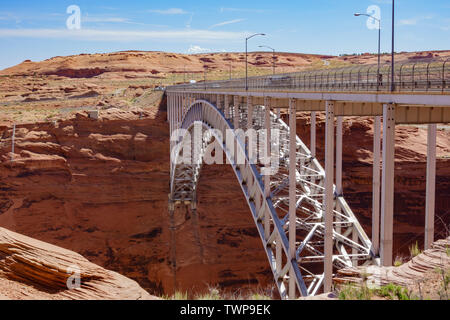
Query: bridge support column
[[175, 116], [268, 127], [219, 102], [173, 255], [329, 195], [250, 109], [180, 111], [177, 107], [376, 186], [387, 188], [185, 104], [170, 119], [431, 186], [236, 112], [339, 191], [292, 191], [278, 247], [227, 108], [313, 134], [339, 132]]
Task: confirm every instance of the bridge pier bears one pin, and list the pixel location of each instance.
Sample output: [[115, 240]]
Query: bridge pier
[[329, 195], [313, 134], [236, 112], [250, 108], [292, 191], [339, 191], [268, 166], [431, 186], [172, 244], [376, 186], [387, 188], [227, 107]]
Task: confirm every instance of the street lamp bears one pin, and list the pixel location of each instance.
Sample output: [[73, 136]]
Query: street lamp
[[273, 56], [393, 47], [246, 57], [379, 44], [205, 67]]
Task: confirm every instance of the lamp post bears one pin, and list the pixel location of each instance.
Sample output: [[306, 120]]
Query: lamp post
[[272, 57], [379, 44], [393, 47], [246, 57], [205, 67]]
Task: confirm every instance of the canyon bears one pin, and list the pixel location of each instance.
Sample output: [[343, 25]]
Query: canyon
[[99, 187]]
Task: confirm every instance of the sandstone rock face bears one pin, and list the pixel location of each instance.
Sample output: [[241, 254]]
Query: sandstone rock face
[[408, 274], [31, 269], [100, 188]]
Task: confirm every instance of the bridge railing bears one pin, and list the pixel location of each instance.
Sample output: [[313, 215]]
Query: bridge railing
[[409, 77]]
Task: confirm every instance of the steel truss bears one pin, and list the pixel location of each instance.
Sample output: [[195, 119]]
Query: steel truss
[[298, 270]]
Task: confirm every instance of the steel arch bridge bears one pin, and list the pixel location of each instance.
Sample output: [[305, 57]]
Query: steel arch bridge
[[297, 269], [306, 227]]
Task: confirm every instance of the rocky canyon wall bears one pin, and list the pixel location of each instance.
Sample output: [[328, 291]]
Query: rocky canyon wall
[[100, 188]]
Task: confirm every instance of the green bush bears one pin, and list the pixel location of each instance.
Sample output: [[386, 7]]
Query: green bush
[[355, 292], [414, 250], [392, 291]]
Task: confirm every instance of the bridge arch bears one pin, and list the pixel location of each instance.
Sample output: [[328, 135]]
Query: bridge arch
[[271, 213], [184, 179]]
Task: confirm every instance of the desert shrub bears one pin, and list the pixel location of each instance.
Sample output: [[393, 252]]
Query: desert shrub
[[392, 291], [355, 292], [177, 296], [414, 250], [443, 290], [212, 294], [398, 261]]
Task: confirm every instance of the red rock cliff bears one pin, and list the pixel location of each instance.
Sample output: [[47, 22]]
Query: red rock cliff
[[100, 188]]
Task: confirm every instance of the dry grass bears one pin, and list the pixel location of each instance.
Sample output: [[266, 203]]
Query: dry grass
[[214, 293]]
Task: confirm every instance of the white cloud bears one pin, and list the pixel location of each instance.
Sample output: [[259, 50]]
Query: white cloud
[[383, 1], [227, 22], [189, 23], [104, 19], [242, 10], [408, 22], [171, 11], [198, 49], [6, 16], [414, 21], [124, 36]]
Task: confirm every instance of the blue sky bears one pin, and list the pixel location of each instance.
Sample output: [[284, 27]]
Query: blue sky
[[37, 30]]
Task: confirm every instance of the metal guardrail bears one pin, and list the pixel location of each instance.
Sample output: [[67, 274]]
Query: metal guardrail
[[409, 77]]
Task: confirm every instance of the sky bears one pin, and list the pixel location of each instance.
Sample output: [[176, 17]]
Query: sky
[[39, 30]]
